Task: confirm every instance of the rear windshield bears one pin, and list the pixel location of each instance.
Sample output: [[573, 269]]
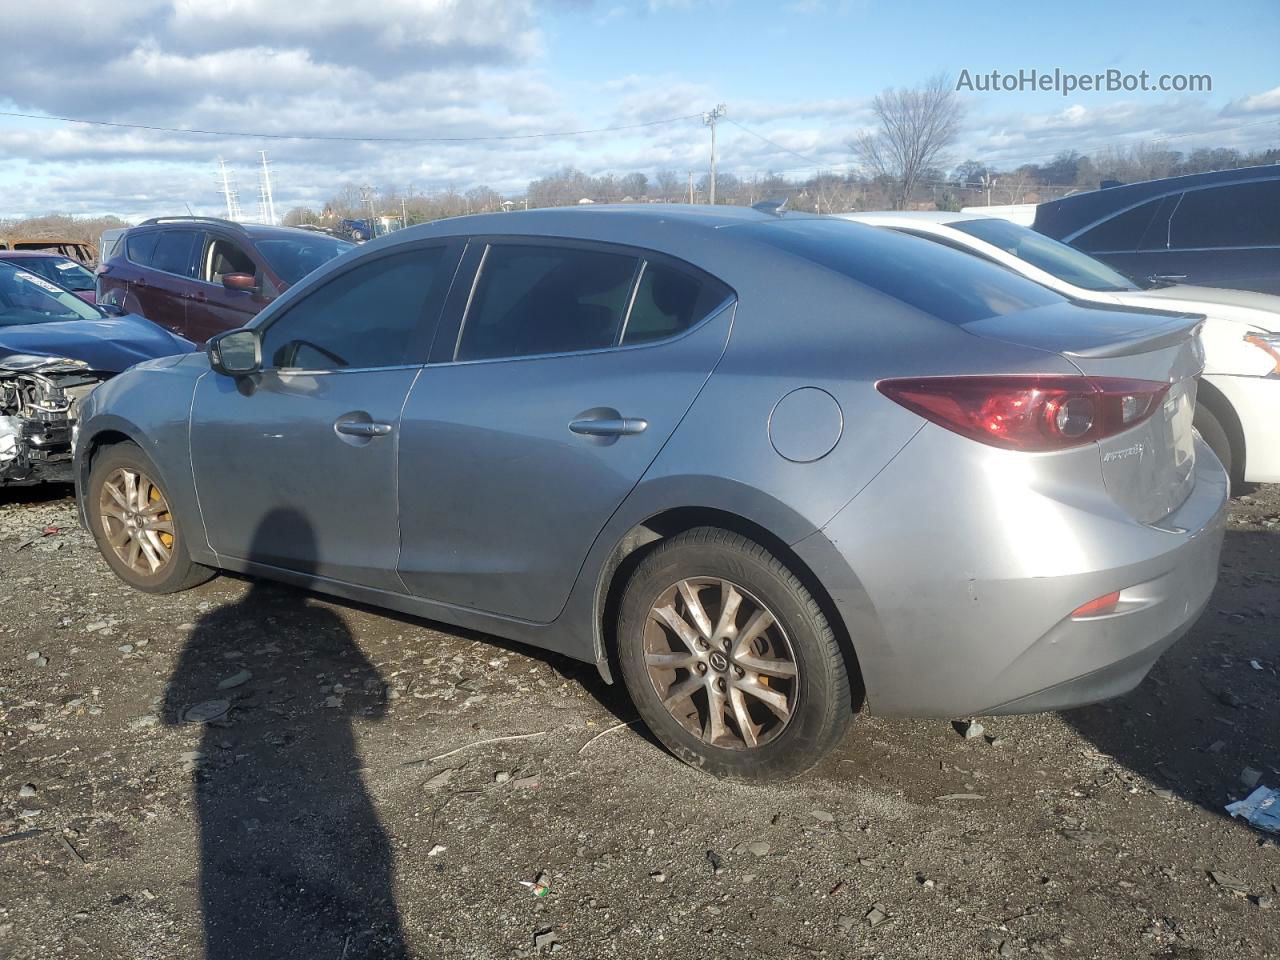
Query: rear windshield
[[952, 286], [1051, 256], [296, 256]]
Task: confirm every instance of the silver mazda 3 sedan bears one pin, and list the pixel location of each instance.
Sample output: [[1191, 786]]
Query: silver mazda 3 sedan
[[770, 469]]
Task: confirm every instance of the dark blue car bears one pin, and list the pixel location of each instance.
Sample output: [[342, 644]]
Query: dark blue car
[[54, 349]]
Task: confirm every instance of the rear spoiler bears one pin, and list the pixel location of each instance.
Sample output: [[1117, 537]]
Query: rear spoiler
[[1180, 327]]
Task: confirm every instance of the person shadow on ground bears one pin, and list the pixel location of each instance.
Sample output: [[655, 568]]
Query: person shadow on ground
[[293, 859]]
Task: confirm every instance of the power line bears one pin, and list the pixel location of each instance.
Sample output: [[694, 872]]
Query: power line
[[348, 139], [761, 136]]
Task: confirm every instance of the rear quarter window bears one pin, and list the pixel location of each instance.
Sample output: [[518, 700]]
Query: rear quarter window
[[952, 286]]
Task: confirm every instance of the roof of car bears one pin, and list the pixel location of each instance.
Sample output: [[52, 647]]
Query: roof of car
[[911, 216], [623, 222], [257, 231], [30, 254], [1069, 215]]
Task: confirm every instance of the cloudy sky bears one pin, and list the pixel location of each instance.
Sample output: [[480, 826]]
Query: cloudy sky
[[799, 73]]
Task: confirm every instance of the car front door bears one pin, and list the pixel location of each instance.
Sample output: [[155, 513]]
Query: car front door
[[536, 418], [314, 435], [213, 307]]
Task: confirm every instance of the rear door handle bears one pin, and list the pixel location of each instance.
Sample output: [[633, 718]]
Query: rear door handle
[[141, 283], [198, 296], [610, 427], [362, 428]]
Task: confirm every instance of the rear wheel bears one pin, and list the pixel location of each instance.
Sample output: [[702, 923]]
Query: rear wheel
[[1215, 435], [729, 659], [134, 525]]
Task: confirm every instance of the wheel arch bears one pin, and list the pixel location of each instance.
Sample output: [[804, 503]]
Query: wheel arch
[[1218, 404], [635, 543], [105, 435]]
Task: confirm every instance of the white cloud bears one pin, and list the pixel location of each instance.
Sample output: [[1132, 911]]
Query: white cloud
[[1267, 102]]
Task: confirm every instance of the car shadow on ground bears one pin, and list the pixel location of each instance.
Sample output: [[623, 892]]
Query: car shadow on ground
[[35, 494], [612, 697], [1205, 714]]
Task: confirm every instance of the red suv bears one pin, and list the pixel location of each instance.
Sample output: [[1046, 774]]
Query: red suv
[[198, 276]]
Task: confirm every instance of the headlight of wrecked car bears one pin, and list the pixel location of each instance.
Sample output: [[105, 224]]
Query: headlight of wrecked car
[[31, 363]]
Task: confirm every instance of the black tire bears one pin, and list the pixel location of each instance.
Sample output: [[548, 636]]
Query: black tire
[[822, 708], [178, 572], [1219, 442]]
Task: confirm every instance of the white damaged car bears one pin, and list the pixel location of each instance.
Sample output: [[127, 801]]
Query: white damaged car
[[1238, 404]]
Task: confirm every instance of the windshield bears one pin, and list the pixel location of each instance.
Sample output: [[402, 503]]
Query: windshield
[[27, 298], [1064, 262], [294, 257], [61, 270]]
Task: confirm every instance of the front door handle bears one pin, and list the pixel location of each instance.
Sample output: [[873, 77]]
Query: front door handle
[[362, 428], [610, 427]]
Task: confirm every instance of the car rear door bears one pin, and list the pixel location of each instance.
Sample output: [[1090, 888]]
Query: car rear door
[[314, 435], [557, 377], [212, 308], [158, 277]]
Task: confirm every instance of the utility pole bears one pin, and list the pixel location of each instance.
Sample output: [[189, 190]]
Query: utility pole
[[266, 204], [988, 181], [709, 119], [367, 196], [229, 191], [691, 186], [404, 214]]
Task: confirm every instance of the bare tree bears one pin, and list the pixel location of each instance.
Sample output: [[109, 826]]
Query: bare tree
[[669, 184], [915, 128]]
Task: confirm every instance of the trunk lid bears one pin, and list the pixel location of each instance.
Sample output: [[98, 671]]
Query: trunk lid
[[1149, 470]]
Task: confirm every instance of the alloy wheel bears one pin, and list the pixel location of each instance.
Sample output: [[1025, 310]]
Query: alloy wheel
[[721, 663], [136, 521]]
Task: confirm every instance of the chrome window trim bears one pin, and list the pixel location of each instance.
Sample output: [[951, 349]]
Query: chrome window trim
[[728, 302], [1164, 250]]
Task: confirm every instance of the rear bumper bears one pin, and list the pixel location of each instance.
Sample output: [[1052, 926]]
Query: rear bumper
[[962, 599], [1256, 401]]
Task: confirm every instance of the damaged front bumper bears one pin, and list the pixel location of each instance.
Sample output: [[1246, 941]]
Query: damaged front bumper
[[39, 406]]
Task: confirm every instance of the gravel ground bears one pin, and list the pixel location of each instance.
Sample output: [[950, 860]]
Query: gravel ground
[[353, 795]]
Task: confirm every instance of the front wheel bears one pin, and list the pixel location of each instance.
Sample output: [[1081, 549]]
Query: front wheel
[[134, 525], [729, 659]]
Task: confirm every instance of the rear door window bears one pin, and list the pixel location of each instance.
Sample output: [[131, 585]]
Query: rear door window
[[534, 300], [1139, 228], [141, 247], [174, 252], [1238, 215]]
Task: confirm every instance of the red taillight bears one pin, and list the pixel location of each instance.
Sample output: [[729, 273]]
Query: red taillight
[[1103, 605], [1029, 412]]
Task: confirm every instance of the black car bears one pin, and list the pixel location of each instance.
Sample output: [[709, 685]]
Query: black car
[[1218, 229]]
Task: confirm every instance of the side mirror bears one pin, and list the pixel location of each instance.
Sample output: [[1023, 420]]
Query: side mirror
[[236, 353], [240, 281], [111, 309]]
